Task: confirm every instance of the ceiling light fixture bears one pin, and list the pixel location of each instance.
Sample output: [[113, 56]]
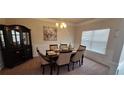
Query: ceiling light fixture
[[61, 25]]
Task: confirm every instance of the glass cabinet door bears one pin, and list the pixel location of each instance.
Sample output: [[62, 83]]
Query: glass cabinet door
[[26, 38], [18, 38], [2, 38], [15, 38]]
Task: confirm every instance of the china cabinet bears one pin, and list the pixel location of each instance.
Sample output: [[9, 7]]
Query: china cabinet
[[15, 43]]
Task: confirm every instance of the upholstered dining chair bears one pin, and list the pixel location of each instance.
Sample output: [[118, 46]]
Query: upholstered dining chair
[[64, 59], [63, 46], [53, 47], [83, 48], [77, 57], [43, 59]]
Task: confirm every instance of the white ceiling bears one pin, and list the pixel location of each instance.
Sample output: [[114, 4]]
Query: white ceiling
[[73, 20]]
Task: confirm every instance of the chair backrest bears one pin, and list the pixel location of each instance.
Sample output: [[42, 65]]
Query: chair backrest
[[53, 47], [63, 47], [41, 57], [77, 56], [64, 58], [81, 47]]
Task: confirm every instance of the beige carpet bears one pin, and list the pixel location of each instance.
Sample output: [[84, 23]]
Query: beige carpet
[[32, 67]]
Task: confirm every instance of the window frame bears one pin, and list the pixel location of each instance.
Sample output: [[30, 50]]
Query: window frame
[[91, 42]]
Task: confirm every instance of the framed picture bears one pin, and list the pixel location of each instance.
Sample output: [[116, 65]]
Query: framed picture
[[49, 33]]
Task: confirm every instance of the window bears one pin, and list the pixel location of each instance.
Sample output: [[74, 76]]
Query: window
[[96, 40]]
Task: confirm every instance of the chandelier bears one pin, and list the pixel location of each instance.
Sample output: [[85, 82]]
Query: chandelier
[[61, 25]]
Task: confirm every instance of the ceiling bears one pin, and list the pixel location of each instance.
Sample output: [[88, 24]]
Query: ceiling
[[73, 20]]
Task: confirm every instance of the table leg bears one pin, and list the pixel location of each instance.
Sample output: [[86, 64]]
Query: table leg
[[51, 69]]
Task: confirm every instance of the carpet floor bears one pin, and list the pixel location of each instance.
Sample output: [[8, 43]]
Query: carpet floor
[[32, 67]]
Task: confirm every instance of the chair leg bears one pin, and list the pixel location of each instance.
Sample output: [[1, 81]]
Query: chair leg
[[43, 70], [79, 63], [73, 66], [68, 67], [54, 67], [58, 70], [82, 60]]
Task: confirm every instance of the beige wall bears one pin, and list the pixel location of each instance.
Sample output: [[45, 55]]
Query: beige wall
[[36, 26], [111, 58], [2, 20]]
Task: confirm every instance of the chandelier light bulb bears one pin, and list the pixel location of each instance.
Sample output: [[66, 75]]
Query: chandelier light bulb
[[61, 25], [57, 24], [64, 25]]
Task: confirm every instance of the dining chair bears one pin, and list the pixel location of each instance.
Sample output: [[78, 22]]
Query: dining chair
[[77, 57], [63, 46], [53, 47], [63, 60], [83, 48], [43, 59], [50, 52]]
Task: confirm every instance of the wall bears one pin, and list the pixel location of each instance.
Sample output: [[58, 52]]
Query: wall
[[2, 21], [113, 51], [122, 55], [36, 26], [119, 50], [120, 70]]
